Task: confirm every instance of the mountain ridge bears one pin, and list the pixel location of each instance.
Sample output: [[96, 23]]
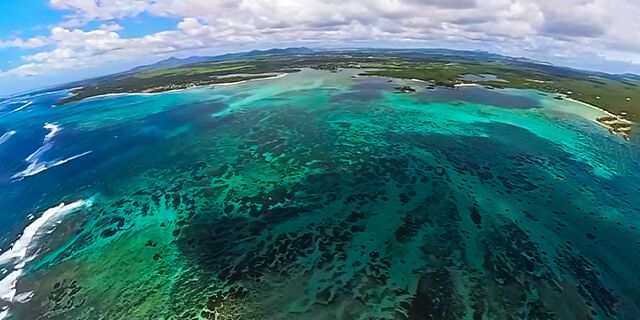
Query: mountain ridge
[[173, 62]]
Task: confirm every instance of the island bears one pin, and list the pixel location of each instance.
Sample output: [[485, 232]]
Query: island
[[613, 93]]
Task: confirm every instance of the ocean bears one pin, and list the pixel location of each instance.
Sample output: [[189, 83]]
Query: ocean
[[316, 195]]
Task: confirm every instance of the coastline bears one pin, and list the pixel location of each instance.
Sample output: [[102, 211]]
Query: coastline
[[277, 76], [589, 106], [462, 85], [119, 94], [614, 123]]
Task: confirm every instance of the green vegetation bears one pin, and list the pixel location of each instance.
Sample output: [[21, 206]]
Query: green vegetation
[[191, 71], [151, 85], [618, 94], [174, 78]]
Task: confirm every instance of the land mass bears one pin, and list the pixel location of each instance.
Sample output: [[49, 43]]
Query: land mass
[[616, 94]]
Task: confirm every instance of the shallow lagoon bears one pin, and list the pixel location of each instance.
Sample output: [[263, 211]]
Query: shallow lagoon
[[321, 196]]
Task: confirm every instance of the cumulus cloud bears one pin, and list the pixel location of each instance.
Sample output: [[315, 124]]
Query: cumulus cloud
[[584, 18], [75, 48], [90, 10], [30, 43], [608, 28]]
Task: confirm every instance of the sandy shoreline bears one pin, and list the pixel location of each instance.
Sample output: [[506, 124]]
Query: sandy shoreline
[[258, 79], [605, 112], [117, 94], [619, 120], [462, 85]]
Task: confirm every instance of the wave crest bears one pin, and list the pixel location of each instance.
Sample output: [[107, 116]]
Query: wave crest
[[14, 259], [35, 164]]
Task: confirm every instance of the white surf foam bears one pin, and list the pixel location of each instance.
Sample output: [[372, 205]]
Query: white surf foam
[[6, 136], [26, 104], [36, 167], [14, 259], [53, 130], [35, 164], [35, 156]]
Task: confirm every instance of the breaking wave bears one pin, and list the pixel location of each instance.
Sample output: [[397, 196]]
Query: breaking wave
[[6, 136], [25, 104], [14, 259], [36, 165]]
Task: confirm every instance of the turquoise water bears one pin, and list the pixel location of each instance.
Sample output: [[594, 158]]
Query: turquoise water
[[317, 196]]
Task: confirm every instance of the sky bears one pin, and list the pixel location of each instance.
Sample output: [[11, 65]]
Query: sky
[[47, 42]]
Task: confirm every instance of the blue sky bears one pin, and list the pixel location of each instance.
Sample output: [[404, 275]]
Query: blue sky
[[30, 19], [34, 19], [46, 42]]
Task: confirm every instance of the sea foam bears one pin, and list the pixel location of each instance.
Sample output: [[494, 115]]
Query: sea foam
[[6, 136], [25, 104], [53, 130], [14, 260], [35, 164]]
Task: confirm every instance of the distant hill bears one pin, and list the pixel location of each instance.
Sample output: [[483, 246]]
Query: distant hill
[[434, 54], [177, 62], [632, 76]]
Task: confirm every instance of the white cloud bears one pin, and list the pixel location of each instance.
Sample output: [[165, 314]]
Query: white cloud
[[573, 28], [111, 27], [31, 43], [75, 49], [90, 10]]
